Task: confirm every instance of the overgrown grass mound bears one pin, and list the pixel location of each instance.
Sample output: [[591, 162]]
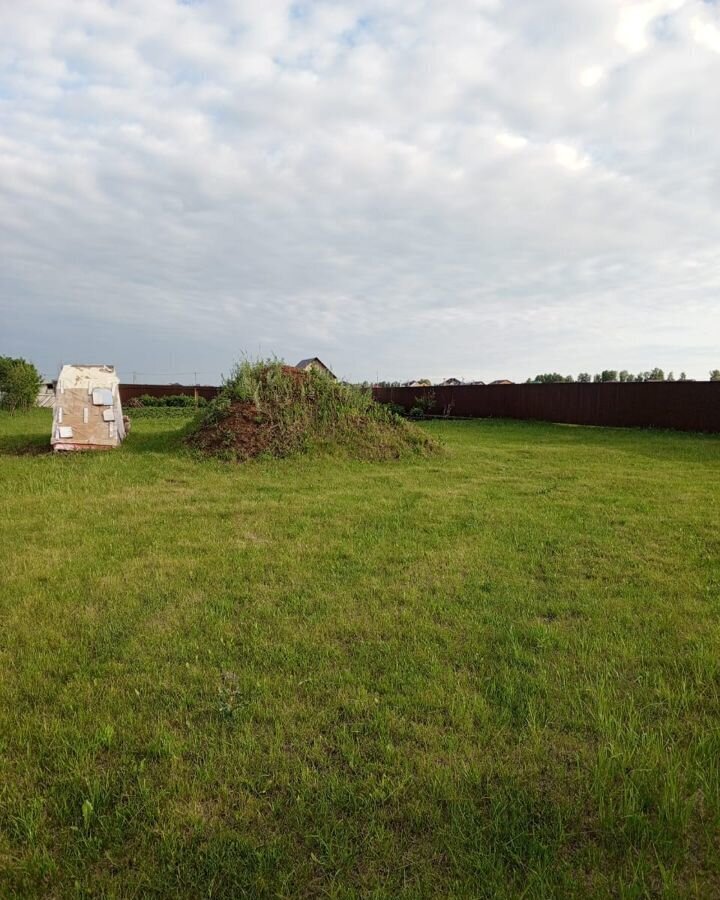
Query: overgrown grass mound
[[267, 408]]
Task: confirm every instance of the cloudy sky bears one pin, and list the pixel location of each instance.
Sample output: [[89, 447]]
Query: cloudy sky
[[406, 188]]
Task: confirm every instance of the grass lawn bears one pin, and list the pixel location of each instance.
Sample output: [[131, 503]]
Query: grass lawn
[[493, 673]]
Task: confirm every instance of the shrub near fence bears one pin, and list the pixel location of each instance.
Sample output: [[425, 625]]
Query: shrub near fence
[[135, 391], [683, 405]]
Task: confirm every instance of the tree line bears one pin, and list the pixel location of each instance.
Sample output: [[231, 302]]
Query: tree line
[[613, 375]]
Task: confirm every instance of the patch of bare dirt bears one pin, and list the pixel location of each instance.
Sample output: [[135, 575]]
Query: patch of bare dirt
[[29, 449], [243, 431]]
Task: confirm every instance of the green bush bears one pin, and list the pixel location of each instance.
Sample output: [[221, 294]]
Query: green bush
[[158, 412], [19, 383], [175, 401], [425, 401]]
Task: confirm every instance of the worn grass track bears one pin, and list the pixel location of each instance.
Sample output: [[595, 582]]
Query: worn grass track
[[493, 673]]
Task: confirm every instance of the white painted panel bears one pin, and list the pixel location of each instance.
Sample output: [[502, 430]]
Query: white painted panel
[[85, 415], [59, 414], [108, 415], [102, 397], [111, 429], [65, 431]]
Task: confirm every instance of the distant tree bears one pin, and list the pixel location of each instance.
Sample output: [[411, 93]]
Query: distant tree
[[609, 375], [625, 376], [597, 378], [715, 375], [550, 378], [569, 379], [683, 377], [424, 382], [19, 383], [653, 375], [584, 378], [671, 376]]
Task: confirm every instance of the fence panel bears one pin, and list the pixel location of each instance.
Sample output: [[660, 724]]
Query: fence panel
[[683, 405]]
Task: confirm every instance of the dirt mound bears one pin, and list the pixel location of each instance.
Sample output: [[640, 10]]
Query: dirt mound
[[270, 408]]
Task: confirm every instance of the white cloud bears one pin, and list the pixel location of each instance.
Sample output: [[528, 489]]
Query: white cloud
[[706, 34], [591, 75], [403, 187], [570, 157], [511, 141], [635, 19]]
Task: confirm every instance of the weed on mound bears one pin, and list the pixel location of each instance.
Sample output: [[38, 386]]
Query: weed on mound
[[267, 408]]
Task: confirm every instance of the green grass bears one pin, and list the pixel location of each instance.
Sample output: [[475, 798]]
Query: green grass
[[492, 673]]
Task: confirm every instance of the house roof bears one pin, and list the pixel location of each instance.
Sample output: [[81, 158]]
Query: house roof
[[306, 363]]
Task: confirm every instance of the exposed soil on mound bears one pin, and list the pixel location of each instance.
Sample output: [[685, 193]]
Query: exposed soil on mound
[[244, 432], [297, 374]]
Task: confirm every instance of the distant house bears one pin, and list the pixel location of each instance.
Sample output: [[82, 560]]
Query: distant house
[[450, 382], [502, 381], [46, 395], [314, 363]]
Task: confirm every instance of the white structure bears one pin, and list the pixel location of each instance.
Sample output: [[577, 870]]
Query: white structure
[[46, 396], [88, 414]]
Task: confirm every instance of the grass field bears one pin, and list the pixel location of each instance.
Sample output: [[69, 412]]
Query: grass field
[[493, 673]]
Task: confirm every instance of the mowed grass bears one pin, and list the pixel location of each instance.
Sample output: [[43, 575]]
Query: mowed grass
[[494, 673]]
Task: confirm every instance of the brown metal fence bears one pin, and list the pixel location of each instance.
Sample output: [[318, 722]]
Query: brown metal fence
[[131, 391], [684, 405]]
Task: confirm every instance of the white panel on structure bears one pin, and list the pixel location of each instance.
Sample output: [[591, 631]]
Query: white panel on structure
[[108, 415], [85, 415], [111, 429], [102, 397], [65, 431], [59, 414]]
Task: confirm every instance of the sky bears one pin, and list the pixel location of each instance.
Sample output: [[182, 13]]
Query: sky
[[478, 188]]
